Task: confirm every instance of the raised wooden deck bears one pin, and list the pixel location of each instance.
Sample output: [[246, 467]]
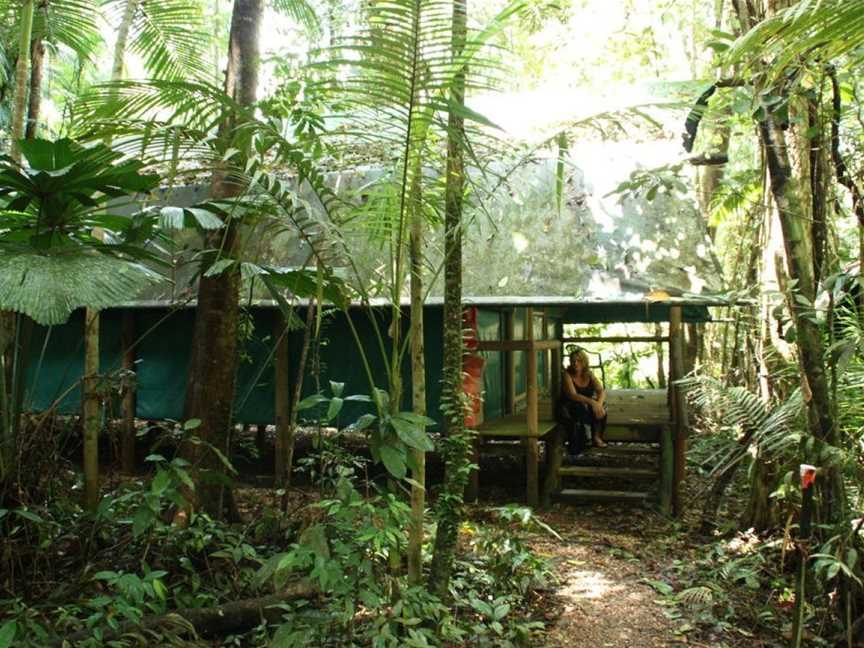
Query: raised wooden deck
[[515, 426]]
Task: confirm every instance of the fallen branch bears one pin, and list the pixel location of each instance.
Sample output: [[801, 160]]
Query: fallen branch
[[230, 618]]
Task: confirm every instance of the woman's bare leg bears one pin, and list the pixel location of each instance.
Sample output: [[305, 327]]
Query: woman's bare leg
[[598, 431]]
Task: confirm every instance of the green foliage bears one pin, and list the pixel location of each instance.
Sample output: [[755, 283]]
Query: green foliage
[[51, 260], [818, 29], [648, 183]]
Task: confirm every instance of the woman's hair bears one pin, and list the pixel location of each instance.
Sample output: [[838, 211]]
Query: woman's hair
[[581, 355]]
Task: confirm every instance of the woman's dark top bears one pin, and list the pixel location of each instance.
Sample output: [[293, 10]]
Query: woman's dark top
[[569, 410]]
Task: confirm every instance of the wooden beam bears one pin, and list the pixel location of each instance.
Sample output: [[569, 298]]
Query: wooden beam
[[282, 398], [617, 338], [679, 404], [510, 346], [127, 440], [531, 444]]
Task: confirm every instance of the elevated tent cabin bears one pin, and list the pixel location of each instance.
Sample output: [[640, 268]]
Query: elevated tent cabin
[[519, 339], [524, 363]]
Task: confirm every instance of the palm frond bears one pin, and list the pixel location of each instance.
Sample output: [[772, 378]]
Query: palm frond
[[47, 288], [827, 29], [302, 12], [77, 24], [169, 36]]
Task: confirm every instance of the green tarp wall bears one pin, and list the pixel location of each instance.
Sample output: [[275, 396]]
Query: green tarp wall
[[57, 357], [162, 361]]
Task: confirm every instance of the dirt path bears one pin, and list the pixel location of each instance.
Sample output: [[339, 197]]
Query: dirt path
[[602, 559]]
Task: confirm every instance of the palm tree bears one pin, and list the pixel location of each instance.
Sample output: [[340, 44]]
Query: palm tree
[[51, 262]]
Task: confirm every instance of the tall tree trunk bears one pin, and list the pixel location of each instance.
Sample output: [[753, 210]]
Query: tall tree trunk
[[37, 59], [92, 419], [22, 75], [456, 446], [122, 41], [418, 383], [800, 264], [213, 367]]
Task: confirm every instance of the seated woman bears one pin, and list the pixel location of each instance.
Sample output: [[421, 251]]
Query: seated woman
[[582, 401]]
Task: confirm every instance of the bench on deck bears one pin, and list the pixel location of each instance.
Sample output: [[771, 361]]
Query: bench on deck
[[637, 415]]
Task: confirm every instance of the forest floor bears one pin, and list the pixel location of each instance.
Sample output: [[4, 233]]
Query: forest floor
[[619, 568], [602, 561]]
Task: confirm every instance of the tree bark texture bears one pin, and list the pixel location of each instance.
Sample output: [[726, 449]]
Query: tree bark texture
[[37, 60], [418, 384], [22, 75], [122, 41], [799, 260], [92, 409], [127, 443], [456, 447], [213, 367]]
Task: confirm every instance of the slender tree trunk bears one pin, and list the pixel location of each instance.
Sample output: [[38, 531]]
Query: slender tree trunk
[[22, 75], [127, 443], [92, 419], [800, 263], [37, 59], [212, 372], [456, 446], [91, 399], [418, 384], [282, 403], [122, 41]]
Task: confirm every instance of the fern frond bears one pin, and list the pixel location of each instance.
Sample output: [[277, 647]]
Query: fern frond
[[696, 597]]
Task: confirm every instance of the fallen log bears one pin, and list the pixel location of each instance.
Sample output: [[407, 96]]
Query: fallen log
[[229, 618]]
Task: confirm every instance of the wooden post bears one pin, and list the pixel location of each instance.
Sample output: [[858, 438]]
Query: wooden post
[[509, 365], [678, 402], [667, 470], [281, 401], [127, 440], [554, 458], [531, 444]]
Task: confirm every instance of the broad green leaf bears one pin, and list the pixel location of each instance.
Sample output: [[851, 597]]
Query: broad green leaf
[[311, 401], [7, 633], [411, 435], [393, 460], [334, 408]]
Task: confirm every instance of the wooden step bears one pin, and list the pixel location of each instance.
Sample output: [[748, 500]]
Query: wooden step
[[633, 433], [608, 471], [625, 450], [606, 495]]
